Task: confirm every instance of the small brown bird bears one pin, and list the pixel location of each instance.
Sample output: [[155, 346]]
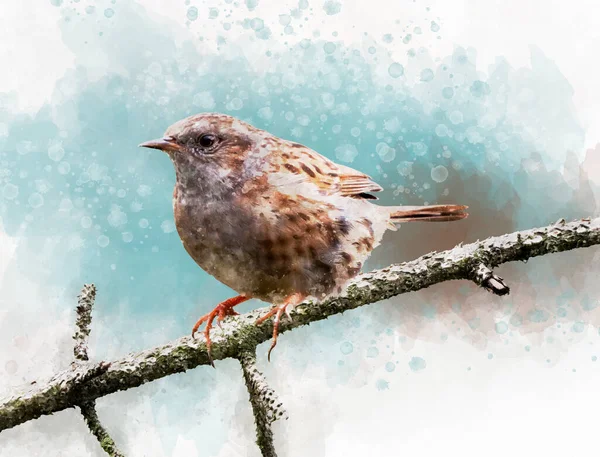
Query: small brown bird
[[273, 219]]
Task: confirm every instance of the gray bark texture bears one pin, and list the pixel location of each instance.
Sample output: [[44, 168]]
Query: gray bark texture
[[239, 336], [88, 411], [85, 303], [265, 404]]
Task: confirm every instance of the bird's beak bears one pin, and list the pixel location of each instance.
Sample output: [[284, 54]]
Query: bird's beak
[[167, 144]]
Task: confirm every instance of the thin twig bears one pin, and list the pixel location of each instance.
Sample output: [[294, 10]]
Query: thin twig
[[88, 410], [240, 333], [265, 404], [85, 303]]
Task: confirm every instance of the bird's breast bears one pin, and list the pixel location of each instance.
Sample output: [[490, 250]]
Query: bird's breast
[[272, 244]]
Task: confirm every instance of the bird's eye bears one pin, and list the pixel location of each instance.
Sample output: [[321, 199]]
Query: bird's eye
[[207, 140]]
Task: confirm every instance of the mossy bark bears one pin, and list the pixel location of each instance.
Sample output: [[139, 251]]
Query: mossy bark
[[265, 405], [88, 410]]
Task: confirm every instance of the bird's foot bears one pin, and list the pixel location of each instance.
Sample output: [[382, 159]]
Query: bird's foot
[[277, 311], [220, 311]]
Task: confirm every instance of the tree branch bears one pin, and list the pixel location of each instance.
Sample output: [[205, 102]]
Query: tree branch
[[240, 334], [265, 405], [85, 302], [88, 411]]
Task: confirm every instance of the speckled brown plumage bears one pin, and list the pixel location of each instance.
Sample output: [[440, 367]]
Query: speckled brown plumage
[[271, 218]]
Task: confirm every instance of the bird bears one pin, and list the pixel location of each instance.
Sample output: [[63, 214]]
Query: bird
[[271, 218]]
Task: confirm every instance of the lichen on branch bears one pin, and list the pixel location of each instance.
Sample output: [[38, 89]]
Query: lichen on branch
[[85, 302], [265, 404]]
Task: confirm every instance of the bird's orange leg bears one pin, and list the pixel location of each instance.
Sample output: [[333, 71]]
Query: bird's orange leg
[[292, 301], [220, 311]]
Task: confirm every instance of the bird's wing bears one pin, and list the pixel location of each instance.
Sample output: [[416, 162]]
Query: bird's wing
[[302, 164]]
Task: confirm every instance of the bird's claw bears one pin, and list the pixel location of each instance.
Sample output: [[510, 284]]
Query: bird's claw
[[290, 303], [221, 311]]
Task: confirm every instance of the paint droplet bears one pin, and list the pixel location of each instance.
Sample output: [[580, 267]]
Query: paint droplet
[[86, 222], [235, 104], [456, 117], [257, 24], [144, 190], [64, 168], [578, 327], [11, 367], [192, 13], [56, 152], [501, 327], [372, 352], [516, 320], [386, 153], [442, 130], [390, 366], [480, 89], [346, 152], [448, 92], [382, 384], [417, 364], [332, 7], [490, 356], [538, 315], [346, 348], [427, 75], [10, 191], [329, 47], [35, 200], [109, 12], [167, 226], [265, 113], [396, 70], [103, 241], [594, 358], [116, 217], [204, 100], [439, 173], [21, 342]]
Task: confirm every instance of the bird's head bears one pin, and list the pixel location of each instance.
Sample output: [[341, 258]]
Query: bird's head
[[207, 143]]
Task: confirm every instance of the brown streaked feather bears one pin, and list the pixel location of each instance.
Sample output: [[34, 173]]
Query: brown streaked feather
[[433, 213], [310, 166]]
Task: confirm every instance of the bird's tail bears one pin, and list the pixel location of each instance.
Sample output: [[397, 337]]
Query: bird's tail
[[433, 213]]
